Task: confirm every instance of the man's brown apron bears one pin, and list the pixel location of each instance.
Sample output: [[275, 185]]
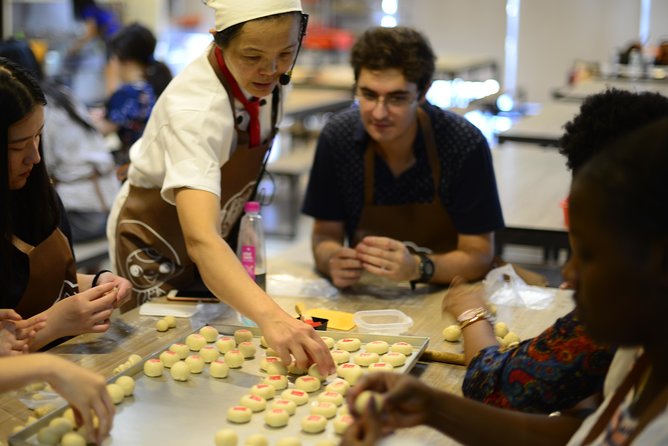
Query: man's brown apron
[[419, 225], [53, 273], [150, 248]]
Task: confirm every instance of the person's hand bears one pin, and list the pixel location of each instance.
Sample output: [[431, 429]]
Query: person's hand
[[289, 336], [345, 268], [122, 285], [87, 394], [366, 429], [387, 258], [462, 296], [16, 334]]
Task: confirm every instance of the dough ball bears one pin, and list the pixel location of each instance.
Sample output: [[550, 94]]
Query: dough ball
[[256, 440], [277, 417], [340, 356], [342, 422], [279, 382], [452, 333], [500, 329], [195, 363], [298, 396], [339, 386], [394, 358], [43, 410], [294, 370], [180, 349], [349, 372], [263, 342], [209, 353], [239, 414], [210, 333], [253, 402], [234, 359], [116, 393], [18, 428], [61, 425], [344, 410], [314, 372], [153, 368], [270, 352], [325, 408], [513, 345], [380, 367], [195, 341], [365, 359], [134, 359], [73, 439], [242, 335], [308, 384], [314, 424], [510, 338], [402, 347], [171, 321], [327, 442], [266, 391], [282, 403], [247, 349], [362, 401], [127, 383], [168, 358], [226, 437], [492, 309], [69, 414], [180, 371], [162, 325], [289, 441], [329, 342], [121, 368], [380, 347], [331, 396], [47, 435], [225, 344], [268, 361], [218, 369], [349, 344]]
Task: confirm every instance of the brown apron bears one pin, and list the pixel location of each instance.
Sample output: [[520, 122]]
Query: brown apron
[[150, 248], [53, 273], [419, 225]]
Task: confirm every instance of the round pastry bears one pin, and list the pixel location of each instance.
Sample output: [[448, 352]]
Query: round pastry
[[72, 439], [239, 414], [127, 383], [314, 372], [180, 371], [289, 441], [234, 359], [362, 400], [288, 405], [380, 347], [153, 368], [500, 329], [279, 382], [313, 424], [276, 368], [270, 352], [349, 372], [61, 425], [180, 349], [380, 367], [226, 437], [308, 384], [264, 363], [344, 410], [210, 353], [394, 358], [340, 356], [452, 333], [210, 333], [325, 408], [339, 386], [263, 342], [116, 393], [402, 347], [195, 363], [342, 422], [365, 359], [298, 396], [225, 344], [348, 344], [247, 349], [277, 417], [253, 402], [294, 370], [256, 440], [47, 435], [329, 342], [331, 396], [134, 359], [162, 325], [218, 369], [195, 341], [510, 338], [242, 335], [168, 358], [266, 391], [171, 321]]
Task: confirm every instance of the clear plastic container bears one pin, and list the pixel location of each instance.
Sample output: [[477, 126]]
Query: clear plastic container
[[390, 322]]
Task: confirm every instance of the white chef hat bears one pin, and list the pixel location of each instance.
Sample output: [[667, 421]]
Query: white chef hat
[[233, 12]]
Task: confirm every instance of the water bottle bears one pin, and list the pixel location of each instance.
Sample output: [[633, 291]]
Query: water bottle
[[250, 245]]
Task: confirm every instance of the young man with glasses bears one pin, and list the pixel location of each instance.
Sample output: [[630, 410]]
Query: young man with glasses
[[400, 188]]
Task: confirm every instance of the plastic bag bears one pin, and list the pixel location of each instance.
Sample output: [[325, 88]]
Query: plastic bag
[[288, 285], [505, 287]]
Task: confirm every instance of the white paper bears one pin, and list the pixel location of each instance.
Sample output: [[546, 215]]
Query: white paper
[[168, 309]]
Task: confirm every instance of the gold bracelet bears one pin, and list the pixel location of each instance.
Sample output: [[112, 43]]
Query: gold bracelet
[[474, 319]]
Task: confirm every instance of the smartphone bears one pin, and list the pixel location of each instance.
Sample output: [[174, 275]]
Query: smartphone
[[191, 296]]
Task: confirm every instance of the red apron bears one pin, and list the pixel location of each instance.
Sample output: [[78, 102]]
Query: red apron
[[53, 273], [150, 248], [419, 225]]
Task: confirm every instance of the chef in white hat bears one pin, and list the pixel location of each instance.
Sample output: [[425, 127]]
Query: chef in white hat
[[199, 160]]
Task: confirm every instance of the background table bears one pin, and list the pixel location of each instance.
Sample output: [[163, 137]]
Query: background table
[[544, 128], [578, 92]]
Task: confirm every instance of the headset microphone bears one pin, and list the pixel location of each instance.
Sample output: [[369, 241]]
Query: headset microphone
[[284, 79]]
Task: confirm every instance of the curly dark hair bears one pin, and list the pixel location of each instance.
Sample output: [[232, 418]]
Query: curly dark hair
[[402, 48], [605, 117]]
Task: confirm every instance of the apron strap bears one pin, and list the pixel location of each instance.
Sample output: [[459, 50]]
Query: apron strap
[[22, 246]]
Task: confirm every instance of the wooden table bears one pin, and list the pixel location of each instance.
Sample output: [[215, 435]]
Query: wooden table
[[577, 93], [132, 333], [544, 128], [302, 101]]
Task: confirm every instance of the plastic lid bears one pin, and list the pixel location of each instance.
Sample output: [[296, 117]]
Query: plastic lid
[[382, 321], [252, 206]]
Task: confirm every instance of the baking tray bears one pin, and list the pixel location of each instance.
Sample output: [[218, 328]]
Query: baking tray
[[166, 412]]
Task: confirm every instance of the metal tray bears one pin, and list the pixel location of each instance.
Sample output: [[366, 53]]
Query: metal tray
[[166, 412]]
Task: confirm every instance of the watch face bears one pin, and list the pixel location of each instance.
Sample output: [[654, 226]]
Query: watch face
[[426, 269]]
